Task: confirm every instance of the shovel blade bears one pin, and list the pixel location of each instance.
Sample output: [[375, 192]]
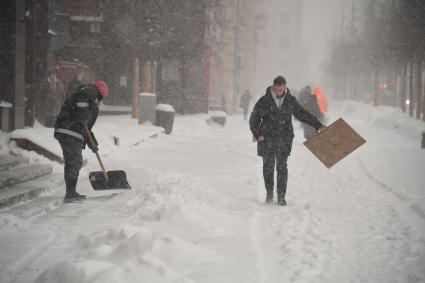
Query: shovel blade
[[117, 180]]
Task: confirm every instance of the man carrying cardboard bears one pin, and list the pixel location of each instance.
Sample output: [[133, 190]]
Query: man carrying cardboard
[[271, 126]]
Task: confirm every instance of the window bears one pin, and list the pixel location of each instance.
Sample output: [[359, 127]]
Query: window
[[95, 28]]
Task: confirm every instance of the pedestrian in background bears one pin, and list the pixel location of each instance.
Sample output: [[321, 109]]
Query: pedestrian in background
[[244, 103], [322, 101], [308, 101]]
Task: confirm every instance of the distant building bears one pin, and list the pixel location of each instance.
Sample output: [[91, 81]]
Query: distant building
[[77, 25], [280, 46], [35, 36], [23, 53], [246, 49], [232, 50], [189, 51], [214, 51], [173, 54]]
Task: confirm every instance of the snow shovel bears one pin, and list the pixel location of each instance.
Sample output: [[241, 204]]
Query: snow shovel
[[102, 180]]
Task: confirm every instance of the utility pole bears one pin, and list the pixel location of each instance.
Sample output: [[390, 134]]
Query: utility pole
[[135, 104], [229, 30], [236, 75], [19, 99], [419, 97], [147, 76]]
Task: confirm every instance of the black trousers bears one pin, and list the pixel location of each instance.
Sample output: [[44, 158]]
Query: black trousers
[[245, 112], [72, 149], [280, 161]]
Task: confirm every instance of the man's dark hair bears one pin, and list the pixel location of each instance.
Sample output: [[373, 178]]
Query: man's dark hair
[[279, 81]]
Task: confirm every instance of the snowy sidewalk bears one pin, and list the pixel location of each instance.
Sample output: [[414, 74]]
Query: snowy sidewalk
[[197, 214], [114, 131], [107, 129]]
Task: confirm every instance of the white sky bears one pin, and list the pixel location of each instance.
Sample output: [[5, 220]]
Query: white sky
[[323, 19]]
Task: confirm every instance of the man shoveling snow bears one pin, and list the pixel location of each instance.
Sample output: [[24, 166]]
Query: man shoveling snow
[[78, 111]]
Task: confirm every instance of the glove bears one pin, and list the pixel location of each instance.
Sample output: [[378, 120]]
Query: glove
[[94, 138], [94, 146], [321, 129]]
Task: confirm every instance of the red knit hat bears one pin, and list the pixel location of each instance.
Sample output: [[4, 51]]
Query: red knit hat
[[101, 87]]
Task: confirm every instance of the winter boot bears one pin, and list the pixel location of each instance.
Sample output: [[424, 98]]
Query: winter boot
[[69, 198], [79, 196], [71, 195], [269, 196], [281, 200]]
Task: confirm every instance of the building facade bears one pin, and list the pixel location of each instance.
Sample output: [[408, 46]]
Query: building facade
[[23, 52], [232, 51], [190, 51]]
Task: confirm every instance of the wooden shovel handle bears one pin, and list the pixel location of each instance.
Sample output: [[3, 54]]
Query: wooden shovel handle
[[97, 153]]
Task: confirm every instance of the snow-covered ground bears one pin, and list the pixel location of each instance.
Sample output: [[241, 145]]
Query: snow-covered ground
[[197, 214]]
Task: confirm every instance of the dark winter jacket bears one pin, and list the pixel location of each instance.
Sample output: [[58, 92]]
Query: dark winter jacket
[[309, 103], [275, 124], [79, 109]]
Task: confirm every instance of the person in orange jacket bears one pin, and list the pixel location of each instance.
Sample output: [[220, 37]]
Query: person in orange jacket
[[322, 100]]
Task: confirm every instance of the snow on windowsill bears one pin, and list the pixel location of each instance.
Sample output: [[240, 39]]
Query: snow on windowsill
[[5, 104], [147, 94]]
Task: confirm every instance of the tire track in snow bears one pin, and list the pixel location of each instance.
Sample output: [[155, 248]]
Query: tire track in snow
[[286, 243], [257, 248], [413, 207], [375, 240], [324, 227], [287, 247], [24, 262], [408, 236], [58, 234]]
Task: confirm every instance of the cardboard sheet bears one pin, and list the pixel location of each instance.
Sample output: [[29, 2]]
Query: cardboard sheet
[[334, 143]]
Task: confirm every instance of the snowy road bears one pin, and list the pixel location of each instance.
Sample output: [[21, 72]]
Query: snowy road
[[196, 214]]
